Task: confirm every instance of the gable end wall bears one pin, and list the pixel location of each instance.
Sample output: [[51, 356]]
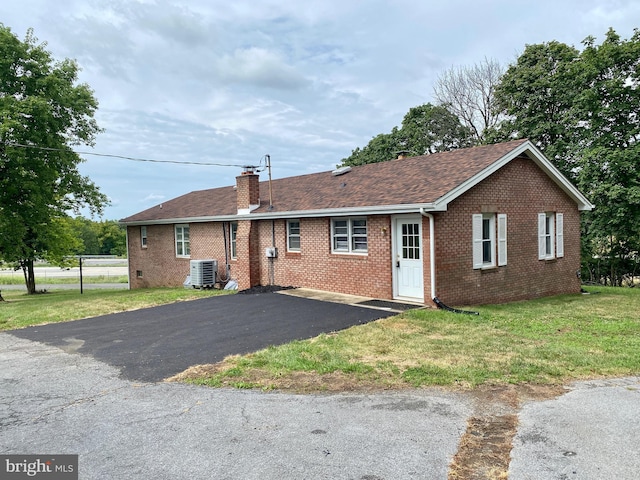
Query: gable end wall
[[521, 190]]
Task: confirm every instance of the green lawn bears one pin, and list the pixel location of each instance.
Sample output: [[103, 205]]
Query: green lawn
[[546, 341], [21, 310]]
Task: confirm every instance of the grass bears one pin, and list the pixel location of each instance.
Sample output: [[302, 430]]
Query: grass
[[545, 341], [22, 310]]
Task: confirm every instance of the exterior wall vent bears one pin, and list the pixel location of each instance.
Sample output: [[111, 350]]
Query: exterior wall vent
[[203, 273]]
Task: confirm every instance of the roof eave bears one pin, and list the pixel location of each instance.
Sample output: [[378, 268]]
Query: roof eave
[[347, 211], [327, 212], [174, 220]]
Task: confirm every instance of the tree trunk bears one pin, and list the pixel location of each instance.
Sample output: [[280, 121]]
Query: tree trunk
[[1, 299], [29, 276]]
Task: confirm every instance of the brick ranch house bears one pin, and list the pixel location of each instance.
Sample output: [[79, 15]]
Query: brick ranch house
[[488, 224]]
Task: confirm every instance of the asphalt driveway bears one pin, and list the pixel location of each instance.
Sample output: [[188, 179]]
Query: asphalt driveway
[[155, 343]]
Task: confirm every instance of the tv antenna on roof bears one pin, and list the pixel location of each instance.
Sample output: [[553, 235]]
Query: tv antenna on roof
[[267, 159]]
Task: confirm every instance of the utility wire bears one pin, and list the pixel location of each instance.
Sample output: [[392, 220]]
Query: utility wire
[[133, 159]]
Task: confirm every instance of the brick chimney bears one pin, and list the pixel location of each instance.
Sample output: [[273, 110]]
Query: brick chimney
[[248, 191]]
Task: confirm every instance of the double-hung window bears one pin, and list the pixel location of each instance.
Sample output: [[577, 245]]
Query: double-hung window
[[183, 245], [233, 233], [143, 236], [293, 235], [489, 240], [550, 235], [349, 235]]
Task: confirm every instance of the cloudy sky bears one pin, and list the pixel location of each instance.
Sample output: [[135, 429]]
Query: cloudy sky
[[306, 82]]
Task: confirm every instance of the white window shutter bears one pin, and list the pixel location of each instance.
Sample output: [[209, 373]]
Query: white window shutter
[[477, 240], [559, 235], [502, 239], [542, 244]]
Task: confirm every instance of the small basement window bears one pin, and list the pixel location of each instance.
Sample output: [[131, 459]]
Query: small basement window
[[139, 273]]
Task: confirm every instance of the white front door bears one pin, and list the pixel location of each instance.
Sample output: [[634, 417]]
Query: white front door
[[408, 270]]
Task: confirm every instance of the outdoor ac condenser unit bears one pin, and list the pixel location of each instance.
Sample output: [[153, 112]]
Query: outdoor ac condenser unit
[[203, 273]]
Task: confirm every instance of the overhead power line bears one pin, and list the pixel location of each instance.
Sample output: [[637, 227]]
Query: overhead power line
[[133, 159]]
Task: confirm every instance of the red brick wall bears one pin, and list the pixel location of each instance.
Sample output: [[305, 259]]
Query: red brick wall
[[158, 262], [521, 190], [247, 273], [316, 267], [248, 190]]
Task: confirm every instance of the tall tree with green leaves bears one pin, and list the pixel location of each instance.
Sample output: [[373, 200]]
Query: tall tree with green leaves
[[425, 129], [538, 95], [581, 108], [44, 112], [430, 129]]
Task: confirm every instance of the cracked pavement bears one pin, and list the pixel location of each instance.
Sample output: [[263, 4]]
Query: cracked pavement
[[55, 402]]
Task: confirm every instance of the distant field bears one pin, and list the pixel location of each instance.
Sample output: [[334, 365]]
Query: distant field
[[111, 273]]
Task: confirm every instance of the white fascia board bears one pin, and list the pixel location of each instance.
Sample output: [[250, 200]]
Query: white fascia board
[[348, 211], [169, 221], [333, 212], [540, 160]]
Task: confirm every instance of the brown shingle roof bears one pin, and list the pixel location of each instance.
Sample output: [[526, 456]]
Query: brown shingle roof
[[413, 180]]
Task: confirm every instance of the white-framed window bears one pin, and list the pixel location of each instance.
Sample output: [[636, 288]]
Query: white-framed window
[[183, 245], [293, 235], [489, 231], [143, 236], [234, 239], [550, 235], [349, 235]]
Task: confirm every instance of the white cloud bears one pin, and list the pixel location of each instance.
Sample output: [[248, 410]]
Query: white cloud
[[227, 82], [259, 67]]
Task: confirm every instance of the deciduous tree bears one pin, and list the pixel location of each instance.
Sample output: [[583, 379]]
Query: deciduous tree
[[581, 109], [468, 93], [425, 129], [43, 113]]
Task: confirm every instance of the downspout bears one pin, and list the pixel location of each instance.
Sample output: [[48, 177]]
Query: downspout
[[126, 233], [227, 266], [432, 251], [272, 265]]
